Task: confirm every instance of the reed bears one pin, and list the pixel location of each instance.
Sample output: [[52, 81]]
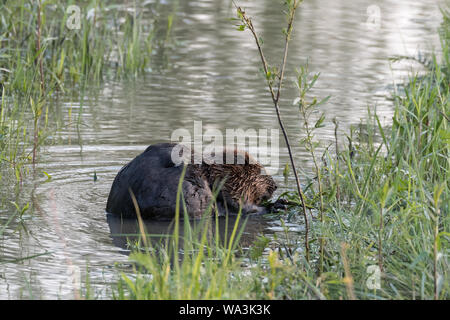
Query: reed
[[43, 53]]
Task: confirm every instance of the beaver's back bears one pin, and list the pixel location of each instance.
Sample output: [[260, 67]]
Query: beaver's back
[[153, 178]]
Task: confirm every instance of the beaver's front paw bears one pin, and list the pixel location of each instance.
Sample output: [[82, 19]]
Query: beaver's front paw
[[279, 205]]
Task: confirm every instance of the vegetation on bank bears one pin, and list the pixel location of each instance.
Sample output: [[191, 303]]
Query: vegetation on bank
[[378, 211], [54, 48]]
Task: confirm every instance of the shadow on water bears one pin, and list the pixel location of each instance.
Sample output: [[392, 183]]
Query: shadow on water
[[126, 232]]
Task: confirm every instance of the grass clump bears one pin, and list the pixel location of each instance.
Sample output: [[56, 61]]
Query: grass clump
[[54, 48], [201, 267]]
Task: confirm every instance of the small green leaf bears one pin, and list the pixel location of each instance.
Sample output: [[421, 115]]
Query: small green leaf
[[319, 123], [286, 171], [239, 14], [439, 241], [24, 209], [49, 177]]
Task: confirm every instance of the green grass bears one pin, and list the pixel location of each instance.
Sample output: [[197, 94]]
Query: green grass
[[41, 59], [385, 207], [197, 265]]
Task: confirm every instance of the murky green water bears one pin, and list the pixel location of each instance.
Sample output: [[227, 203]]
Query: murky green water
[[209, 72]]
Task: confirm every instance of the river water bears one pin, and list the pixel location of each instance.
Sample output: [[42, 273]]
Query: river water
[[209, 72]]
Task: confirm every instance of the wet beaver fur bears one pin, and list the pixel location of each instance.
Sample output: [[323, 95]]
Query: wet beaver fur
[[153, 179]]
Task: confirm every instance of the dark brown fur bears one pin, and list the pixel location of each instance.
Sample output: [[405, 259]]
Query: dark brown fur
[[153, 178], [245, 184]]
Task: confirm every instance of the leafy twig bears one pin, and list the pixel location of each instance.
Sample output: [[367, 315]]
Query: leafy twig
[[247, 23]]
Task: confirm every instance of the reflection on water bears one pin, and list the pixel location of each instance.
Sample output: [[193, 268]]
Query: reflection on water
[[209, 73], [126, 232]]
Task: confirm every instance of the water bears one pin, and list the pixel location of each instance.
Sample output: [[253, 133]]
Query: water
[[209, 72]]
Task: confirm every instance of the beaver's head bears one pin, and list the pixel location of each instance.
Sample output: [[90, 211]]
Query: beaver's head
[[244, 177], [262, 185]]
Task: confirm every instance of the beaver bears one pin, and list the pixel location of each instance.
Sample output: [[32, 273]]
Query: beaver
[[153, 178]]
